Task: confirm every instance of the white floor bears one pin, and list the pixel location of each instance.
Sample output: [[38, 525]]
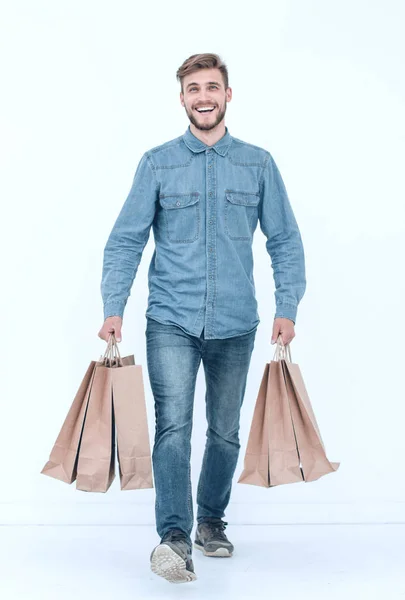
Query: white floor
[[285, 562]]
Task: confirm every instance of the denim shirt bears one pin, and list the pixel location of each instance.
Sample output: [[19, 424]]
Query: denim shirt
[[204, 203]]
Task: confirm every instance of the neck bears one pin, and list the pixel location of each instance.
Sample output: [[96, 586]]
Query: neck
[[209, 137]]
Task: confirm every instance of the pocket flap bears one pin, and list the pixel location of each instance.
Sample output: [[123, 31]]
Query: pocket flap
[[244, 198], [179, 200]]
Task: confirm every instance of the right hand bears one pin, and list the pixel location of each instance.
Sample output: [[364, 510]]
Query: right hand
[[111, 325]]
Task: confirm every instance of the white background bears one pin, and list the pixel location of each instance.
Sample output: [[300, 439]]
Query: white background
[[87, 88]]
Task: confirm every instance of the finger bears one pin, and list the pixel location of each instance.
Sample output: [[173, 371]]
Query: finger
[[117, 334], [284, 339], [274, 334]]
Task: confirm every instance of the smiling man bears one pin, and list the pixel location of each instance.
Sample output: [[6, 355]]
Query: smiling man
[[204, 194]]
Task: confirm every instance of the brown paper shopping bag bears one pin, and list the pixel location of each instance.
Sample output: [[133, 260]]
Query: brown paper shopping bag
[[62, 462], [273, 450], [96, 456], [119, 406], [311, 449], [129, 406], [284, 463], [256, 462], [271, 455], [63, 457]]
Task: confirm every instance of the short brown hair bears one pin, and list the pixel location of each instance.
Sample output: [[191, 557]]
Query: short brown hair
[[202, 61]]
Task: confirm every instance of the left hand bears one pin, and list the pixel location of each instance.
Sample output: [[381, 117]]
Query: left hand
[[285, 328]]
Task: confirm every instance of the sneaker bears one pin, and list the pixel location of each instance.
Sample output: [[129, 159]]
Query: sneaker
[[171, 559], [211, 539]]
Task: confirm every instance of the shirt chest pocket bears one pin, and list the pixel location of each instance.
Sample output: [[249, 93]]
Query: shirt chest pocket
[[182, 216], [241, 213]]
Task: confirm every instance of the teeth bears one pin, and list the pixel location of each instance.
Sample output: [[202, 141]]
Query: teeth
[[205, 108]]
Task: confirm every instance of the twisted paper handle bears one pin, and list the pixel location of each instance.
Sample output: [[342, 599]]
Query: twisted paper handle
[[112, 356], [282, 352]]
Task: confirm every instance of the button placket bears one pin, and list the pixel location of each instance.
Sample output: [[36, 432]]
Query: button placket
[[210, 240]]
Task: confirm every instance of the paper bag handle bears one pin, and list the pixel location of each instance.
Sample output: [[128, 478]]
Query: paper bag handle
[[112, 351], [282, 352]]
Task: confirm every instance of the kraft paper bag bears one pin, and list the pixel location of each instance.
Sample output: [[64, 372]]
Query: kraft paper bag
[[311, 449], [271, 455], [62, 463], [96, 460], [256, 462], [129, 406], [284, 462], [63, 457], [284, 444], [119, 406]]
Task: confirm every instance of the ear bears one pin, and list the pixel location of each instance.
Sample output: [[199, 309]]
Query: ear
[[229, 94], [182, 98]]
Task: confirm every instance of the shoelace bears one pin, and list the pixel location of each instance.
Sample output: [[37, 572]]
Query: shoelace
[[218, 527], [177, 535]]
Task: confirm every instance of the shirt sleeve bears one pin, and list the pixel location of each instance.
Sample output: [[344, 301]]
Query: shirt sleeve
[[284, 243], [128, 238]]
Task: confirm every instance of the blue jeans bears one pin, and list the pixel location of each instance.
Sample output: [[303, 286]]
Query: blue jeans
[[173, 358]]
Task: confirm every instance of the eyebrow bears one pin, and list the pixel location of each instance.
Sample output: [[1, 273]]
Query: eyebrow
[[208, 83]]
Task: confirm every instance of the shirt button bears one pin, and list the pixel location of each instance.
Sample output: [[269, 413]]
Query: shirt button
[[210, 194], [177, 203], [209, 166]]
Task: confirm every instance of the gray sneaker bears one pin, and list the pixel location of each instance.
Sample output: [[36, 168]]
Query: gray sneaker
[[171, 559], [211, 539]]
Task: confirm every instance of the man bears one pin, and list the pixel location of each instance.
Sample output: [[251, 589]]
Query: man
[[203, 193]]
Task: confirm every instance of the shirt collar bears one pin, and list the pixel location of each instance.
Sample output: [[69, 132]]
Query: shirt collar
[[196, 145]]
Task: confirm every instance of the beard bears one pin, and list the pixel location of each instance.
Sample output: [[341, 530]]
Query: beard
[[206, 125]]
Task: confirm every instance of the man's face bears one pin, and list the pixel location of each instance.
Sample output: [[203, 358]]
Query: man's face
[[205, 89]]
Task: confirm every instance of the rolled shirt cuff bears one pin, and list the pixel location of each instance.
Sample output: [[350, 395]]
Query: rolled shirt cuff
[[112, 309], [287, 311]]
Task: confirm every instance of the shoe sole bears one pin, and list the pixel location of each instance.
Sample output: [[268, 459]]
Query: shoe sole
[[221, 552], [166, 563]]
